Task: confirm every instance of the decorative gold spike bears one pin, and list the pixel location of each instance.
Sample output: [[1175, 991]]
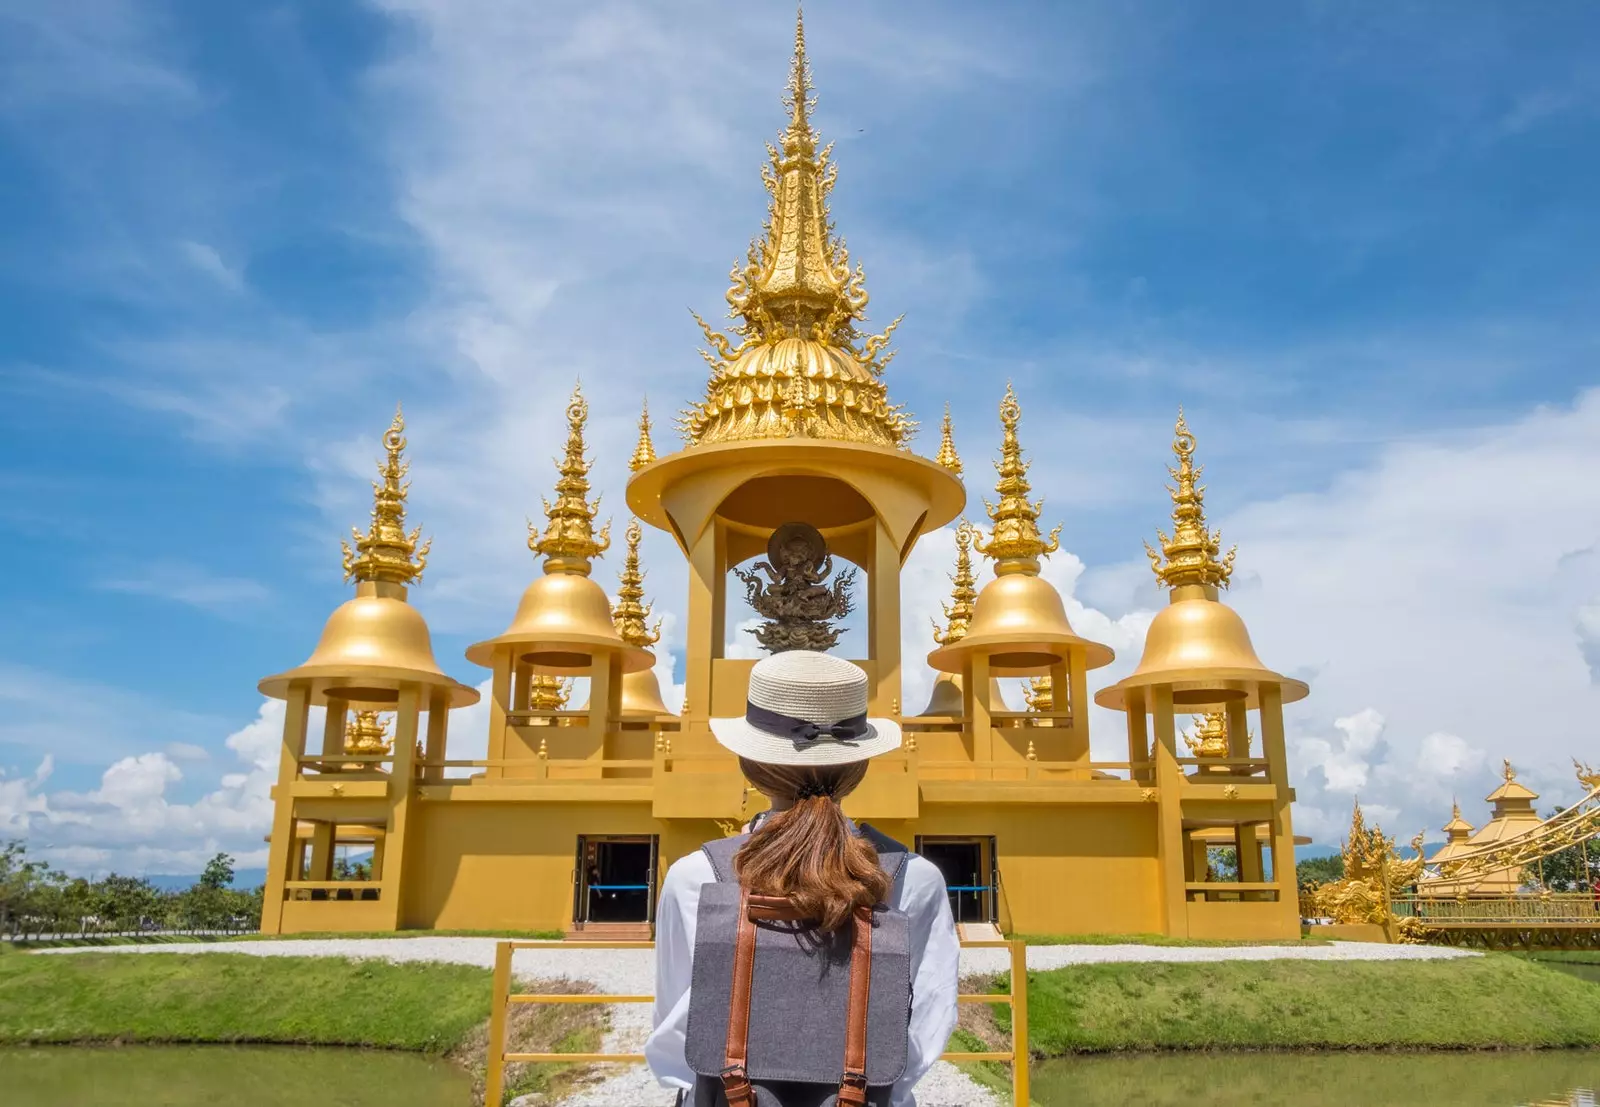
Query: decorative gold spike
[[544, 749], [569, 542], [1032, 755], [645, 452], [947, 455], [796, 283], [1040, 695], [1191, 552], [958, 612], [630, 611], [385, 552], [1015, 542]]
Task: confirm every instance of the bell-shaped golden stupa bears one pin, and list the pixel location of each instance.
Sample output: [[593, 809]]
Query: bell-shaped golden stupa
[[1018, 620], [946, 699], [641, 691], [1197, 645], [376, 642], [564, 618]]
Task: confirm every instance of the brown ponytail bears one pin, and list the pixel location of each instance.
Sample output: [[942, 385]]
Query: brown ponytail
[[808, 852]]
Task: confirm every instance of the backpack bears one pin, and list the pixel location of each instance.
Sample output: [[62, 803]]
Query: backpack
[[780, 1016]]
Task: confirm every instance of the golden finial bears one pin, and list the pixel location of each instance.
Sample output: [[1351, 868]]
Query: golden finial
[[645, 452], [1507, 771], [366, 733], [548, 693], [1014, 543], [569, 541], [911, 743], [1032, 755], [1040, 694], [1192, 550], [385, 552], [1210, 737], [544, 749], [947, 455], [630, 611], [964, 595], [796, 283]]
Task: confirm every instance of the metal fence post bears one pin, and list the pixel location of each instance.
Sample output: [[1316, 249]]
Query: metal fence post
[[1019, 1023], [494, 1068]]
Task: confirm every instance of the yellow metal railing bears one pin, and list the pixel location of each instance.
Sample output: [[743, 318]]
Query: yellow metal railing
[[503, 998]]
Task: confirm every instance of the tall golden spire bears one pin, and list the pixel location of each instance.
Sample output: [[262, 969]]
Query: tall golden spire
[[796, 284], [958, 611], [645, 452], [1192, 550], [947, 455], [630, 611], [569, 541], [1015, 542], [385, 552]]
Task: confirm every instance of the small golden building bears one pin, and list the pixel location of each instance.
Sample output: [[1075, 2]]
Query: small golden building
[[569, 821], [1512, 816]]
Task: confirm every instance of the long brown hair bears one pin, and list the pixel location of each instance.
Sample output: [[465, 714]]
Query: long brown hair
[[808, 852]]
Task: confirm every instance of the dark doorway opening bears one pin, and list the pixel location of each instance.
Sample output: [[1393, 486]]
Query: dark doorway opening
[[968, 875], [616, 880]]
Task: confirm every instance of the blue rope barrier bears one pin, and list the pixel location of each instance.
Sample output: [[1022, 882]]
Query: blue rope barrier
[[619, 887]]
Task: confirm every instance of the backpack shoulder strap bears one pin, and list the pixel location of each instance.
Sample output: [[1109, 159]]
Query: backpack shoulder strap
[[720, 853], [892, 855]]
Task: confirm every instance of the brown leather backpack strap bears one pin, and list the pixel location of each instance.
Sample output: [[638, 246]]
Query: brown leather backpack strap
[[735, 1076], [853, 1084], [771, 909]]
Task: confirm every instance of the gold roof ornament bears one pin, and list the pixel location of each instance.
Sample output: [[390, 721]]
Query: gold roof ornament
[[564, 618], [548, 693], [801, 365], [1210, 737], [645, 452], [1018, 620], [1196, 644], [1191, 552], [385, 551], [365, 732], [630, 611], [569, 542], [1512, 795], [947, 455], [958, 612], [1458, 829], [1040, 694], [376, 642]]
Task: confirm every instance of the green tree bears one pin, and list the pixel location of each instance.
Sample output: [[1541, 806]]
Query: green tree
[[1574, 869], [1319, 870], [219, 872]]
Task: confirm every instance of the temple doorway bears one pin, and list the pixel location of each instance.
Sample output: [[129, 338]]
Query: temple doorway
[[968, 867], [615, 880]]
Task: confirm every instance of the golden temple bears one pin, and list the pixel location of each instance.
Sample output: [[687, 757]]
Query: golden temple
[[570, 819]]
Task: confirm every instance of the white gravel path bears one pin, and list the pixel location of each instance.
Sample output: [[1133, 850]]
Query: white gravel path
[[631, 972]]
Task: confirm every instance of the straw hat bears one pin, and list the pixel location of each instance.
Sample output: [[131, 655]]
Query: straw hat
[[807, 708]]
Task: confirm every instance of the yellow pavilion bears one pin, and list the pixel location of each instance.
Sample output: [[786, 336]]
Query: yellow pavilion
[[795, 453], [1511, 816]]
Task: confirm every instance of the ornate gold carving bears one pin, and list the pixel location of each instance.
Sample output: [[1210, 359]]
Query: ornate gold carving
[[645, 452], [1210, 737], [548, 693], [1230, 791], [1191, 552], [958, 612], [1040, 694], [793, 599], [801, 364], [1014, 541], [569, 542], [385, 552], [1147, 794], [947, 455], [1588, 777], [630, 611], [1374, 874], [366, 734]]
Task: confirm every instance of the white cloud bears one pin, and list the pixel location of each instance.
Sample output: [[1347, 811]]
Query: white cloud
[[192, 586], [206, 259]]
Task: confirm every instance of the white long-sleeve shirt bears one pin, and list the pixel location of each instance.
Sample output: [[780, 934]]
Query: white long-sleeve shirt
[[919, 891]]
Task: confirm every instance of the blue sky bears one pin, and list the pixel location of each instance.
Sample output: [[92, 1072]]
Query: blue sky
[[1355, 241]]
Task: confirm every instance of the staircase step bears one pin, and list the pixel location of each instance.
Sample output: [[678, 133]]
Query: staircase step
[[610, 932]]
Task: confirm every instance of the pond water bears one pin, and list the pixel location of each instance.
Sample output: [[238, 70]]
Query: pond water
[[238, 1076], [1545, 1079]]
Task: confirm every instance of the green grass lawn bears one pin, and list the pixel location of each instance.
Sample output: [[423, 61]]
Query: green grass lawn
[[171, 939], [1488, 1002], [1157, 940]]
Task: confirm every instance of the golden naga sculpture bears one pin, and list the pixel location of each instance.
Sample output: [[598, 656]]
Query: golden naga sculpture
[[1588, 777], [630, 611], [1210, 737], [645, 452], [385, 552], [958, 612], [1374, 874], [569, 542], [1014, 540], [798, 606], [1191, 552], [801, 366], [947, 455]]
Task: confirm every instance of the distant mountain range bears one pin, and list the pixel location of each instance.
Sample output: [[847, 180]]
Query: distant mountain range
[[243, 879]]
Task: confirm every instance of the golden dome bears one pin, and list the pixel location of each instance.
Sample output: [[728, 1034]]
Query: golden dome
[[563, 619], [946, 700], [1020, 622], [800, 366], [376, 642], [1200, 646]]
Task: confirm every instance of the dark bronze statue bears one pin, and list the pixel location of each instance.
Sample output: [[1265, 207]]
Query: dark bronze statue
[[793, 599]]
